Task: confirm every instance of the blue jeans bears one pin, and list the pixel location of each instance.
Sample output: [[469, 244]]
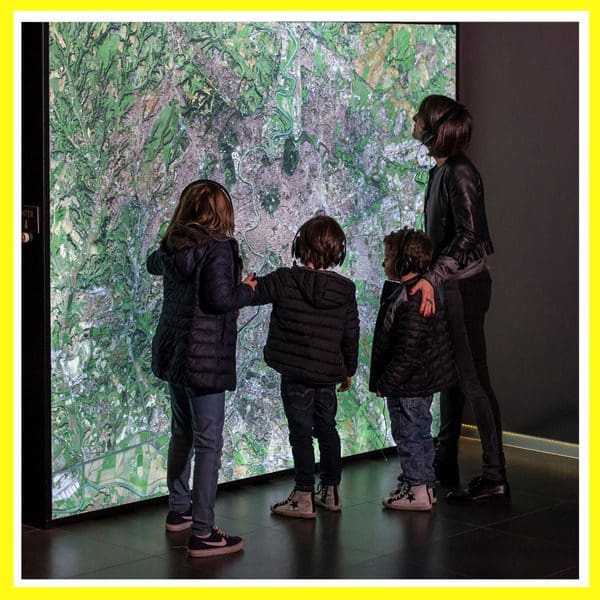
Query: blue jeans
[[310, 411], [411, 429], [196, 430]]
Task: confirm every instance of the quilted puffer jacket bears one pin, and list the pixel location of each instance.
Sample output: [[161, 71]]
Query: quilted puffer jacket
[[195, 341], [314, 326], [411, 354]]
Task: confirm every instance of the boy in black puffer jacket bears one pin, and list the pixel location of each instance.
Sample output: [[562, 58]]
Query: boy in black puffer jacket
[[313, 343], [411, 359]]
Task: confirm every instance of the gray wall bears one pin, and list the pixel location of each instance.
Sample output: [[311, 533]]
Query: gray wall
[[520, 81]]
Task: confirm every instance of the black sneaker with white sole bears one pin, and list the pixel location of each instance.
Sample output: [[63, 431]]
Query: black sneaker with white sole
[[218, 542], [177, 521]]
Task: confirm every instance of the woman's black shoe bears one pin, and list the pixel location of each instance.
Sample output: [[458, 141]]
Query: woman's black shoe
[[481, 489]]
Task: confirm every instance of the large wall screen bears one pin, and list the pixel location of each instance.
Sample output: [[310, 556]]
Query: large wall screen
[[293, 118]]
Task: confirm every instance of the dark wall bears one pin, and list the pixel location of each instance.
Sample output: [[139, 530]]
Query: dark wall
[[520, 81]]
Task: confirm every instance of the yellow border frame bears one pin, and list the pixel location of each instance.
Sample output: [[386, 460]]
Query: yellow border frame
[[11, 233]]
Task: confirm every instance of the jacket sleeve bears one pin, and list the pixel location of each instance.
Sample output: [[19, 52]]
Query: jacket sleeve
[[154, 263], [465, 195], [409, 330], [350, 339], [465, 198], [268, 289], [442, 270], [220, 289]]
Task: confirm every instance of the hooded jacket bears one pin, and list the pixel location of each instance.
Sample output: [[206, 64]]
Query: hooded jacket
[[195, 341], [412, 354], [313, 331]]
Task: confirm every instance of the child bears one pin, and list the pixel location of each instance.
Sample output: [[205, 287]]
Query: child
[[313, 343], [194, 351], [411, 359]]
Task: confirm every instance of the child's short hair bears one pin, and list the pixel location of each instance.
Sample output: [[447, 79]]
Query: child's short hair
[[411, 251], [320, 242]]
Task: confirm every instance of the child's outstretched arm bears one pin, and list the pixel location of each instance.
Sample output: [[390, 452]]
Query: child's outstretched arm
[[268, 289], [220, 288]]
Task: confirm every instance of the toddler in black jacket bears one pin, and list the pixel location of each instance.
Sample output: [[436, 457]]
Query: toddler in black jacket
[[313, 343], [410, 360]]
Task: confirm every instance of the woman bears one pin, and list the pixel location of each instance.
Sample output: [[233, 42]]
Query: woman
[[456, 223]]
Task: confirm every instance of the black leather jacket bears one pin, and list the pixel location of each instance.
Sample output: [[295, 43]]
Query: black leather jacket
[[455, 219]]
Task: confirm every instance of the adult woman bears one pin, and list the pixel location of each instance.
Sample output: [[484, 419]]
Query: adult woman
[[456, 222]]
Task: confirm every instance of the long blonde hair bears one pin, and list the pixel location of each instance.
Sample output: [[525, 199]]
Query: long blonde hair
[[206, 203]]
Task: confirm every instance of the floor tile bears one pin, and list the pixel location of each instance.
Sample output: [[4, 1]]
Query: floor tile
[[57, 553], [490, 554]]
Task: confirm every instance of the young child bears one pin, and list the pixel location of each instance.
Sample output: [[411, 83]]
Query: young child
[[194, 351], [313, 343], [411, 359]]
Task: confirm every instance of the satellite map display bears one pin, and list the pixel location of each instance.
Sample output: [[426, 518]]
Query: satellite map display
[[293, 118]]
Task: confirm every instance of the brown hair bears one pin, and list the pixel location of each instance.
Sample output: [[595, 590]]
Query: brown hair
[[206, 203], [450, 124], [320, 242], [410, 243]]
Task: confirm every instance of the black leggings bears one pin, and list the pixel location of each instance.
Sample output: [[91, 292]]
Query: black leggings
[[465, 302]]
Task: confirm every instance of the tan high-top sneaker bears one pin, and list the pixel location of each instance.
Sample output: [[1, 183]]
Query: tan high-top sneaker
[[409, 497], [328, 497], [298, 504]]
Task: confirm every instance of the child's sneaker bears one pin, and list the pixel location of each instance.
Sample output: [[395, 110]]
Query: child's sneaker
[[298, 504], [415, 497], [218, 542], [328, 497], [430, 489], [432, 493], [177, 521]]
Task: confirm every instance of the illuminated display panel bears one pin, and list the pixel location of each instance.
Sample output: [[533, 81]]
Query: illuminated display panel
[[292, 118]]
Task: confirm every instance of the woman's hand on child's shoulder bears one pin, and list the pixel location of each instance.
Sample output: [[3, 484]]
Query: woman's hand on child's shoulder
[[250, 280]]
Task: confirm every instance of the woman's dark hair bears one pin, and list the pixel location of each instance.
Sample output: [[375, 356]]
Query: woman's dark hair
[[449, 123], [320, 242], [206, 203]]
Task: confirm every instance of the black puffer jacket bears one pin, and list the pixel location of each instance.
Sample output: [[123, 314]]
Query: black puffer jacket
[[411, 354], [195, 341], [313, 332]]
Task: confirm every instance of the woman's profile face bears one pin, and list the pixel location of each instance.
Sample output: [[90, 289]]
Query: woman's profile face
[[419, 127]]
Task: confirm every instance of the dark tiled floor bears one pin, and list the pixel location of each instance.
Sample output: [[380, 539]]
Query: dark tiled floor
[[536, 536]]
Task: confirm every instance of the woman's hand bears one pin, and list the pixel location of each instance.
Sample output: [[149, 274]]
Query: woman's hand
[[250, 280], [427, 307], [345, 385]]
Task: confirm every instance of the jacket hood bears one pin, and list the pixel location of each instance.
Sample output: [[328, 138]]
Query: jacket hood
[[393, 287], [185, 247], [323, 289]]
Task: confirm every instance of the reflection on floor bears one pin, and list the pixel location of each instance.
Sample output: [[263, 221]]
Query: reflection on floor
[[536, 536]]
